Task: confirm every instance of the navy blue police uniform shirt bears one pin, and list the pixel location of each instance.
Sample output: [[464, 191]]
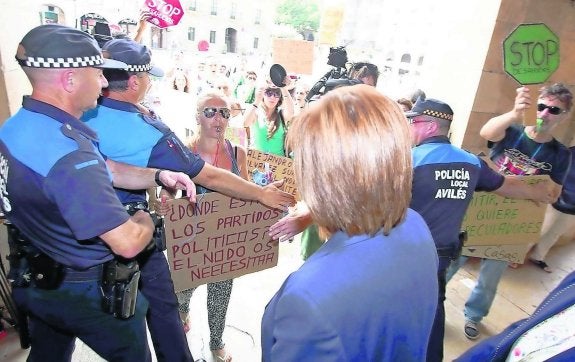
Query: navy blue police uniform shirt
[[128, 136], [444, 180], [55, 185]]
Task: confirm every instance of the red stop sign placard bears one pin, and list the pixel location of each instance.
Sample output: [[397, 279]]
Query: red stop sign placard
[[164, 13]]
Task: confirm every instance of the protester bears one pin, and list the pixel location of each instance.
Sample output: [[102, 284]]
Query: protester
[[415, 95], [72, 227], [405, 104], [213, 114], [301, 91], [223, 84], [547, 335], [519, 150], [132, 134], [315, 316], [236, 131], [177, 95], [245, 91], [268, 117], [445, 178], [367, 73]]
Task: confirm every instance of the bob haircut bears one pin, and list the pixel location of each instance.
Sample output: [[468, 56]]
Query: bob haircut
[[352, 161]]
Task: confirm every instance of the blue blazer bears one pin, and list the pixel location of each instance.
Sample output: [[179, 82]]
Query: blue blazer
[[496, 348], [359, 298]]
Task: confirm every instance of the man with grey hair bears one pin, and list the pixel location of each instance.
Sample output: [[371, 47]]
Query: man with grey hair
[[519, 150], [57, 193]]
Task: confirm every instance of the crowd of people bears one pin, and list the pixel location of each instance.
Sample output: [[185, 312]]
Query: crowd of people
[[375, 177]]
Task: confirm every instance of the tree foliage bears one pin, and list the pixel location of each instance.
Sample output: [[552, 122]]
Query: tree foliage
[[303, 15]]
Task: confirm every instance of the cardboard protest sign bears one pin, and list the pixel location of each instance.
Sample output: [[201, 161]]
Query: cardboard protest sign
[[499, 223], [296, 56], [509, 253], [236, 135], [281, 168], [218, 238]]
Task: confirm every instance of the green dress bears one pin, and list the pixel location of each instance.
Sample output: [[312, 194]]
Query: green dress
[[259, 134], [310, 241]]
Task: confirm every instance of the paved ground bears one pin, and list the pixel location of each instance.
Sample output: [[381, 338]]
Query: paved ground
[[519, 293]]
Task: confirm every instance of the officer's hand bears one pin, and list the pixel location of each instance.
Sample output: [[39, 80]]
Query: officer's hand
[[272, 196], [545, 192], [179, 181]]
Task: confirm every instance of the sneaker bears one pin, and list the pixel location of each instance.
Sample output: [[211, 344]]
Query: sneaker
[[470, 329]]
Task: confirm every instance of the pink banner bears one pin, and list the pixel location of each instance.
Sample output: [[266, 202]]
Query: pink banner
[[164, 13]]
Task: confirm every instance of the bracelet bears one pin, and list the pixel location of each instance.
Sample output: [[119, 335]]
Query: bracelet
[[157, 178]]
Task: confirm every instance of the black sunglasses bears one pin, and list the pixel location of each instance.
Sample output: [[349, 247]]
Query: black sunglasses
[[272, 93], [552, 109], [211, 112]]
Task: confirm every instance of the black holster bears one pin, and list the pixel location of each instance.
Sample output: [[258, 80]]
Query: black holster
[[159, 238], [28, 264], [453, 252], [120, 287]]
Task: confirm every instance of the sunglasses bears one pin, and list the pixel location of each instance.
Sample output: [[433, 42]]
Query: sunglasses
[[552, 109], [271, 93], [211, 112]]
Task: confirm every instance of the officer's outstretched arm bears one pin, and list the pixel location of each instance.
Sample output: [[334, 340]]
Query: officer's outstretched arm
[[232, 185], [546, 192], [130, 238], [137, 178]]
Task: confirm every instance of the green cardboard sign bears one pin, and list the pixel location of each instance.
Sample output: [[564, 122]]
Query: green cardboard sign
[[531, 53]]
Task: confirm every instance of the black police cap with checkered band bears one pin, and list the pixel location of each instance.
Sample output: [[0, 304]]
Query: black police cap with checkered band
[[59, 46], [431, 107], [137, 56]]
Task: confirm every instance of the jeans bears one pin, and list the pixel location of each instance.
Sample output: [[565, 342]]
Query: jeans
[[435, 346], [482, 295], [57, 317]]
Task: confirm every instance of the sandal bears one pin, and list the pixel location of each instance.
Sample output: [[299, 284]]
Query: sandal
[[541, 265], [218, 354]]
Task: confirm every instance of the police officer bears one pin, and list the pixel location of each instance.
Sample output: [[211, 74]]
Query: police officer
[[132, 134], [444, 180], [57, 190]]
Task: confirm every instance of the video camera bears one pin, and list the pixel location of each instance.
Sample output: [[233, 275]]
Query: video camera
[[337, 77]]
